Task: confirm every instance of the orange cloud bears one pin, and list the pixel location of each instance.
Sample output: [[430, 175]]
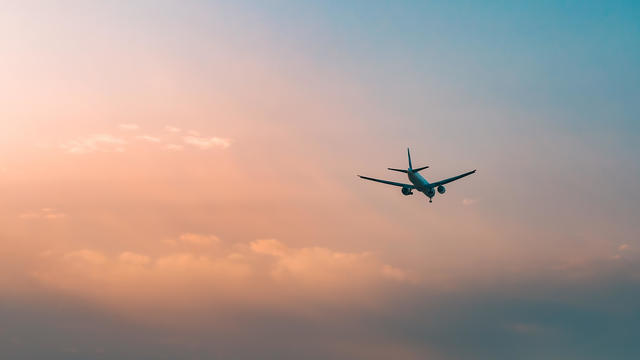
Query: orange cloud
[[85, 256], [198, 239], [269, 247], [258, 273], [172, 129], [133, 258], [316, 266]]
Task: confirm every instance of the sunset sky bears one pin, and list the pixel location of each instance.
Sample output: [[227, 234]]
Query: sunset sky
[[178, 180]]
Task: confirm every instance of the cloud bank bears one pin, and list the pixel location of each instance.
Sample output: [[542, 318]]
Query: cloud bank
[[201, 269]]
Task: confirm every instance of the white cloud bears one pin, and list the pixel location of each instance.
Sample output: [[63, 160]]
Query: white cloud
[[93, 143], [129, 127], [207, 143]]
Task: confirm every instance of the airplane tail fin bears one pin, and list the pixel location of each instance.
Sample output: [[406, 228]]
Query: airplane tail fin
[[411, 169]]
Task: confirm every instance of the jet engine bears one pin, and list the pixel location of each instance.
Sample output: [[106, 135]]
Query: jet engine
[[406, 191], [441, 189], [430, 192]]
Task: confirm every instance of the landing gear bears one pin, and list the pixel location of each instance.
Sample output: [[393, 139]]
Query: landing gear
[[430, 200]]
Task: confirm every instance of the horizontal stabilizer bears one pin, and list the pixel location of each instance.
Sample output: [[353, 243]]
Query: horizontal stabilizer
[[421, 168], [400, 170]]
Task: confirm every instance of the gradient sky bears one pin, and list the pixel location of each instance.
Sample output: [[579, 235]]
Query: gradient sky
[[177, 180]]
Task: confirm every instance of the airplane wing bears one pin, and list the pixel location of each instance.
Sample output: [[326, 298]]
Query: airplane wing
[[388, 182], [445, 181]]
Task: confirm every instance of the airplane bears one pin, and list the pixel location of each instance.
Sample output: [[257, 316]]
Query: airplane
[[418, 182]]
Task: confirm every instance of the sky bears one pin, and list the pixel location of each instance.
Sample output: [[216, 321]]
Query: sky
[[178, 180]]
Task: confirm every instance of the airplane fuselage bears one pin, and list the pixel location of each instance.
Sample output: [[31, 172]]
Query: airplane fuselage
[[421, 183]]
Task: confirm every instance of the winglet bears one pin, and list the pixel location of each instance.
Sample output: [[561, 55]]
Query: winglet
[[409, 157]]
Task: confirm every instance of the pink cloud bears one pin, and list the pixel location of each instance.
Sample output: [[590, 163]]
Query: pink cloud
[[149, 138], [174, 147], [172, 129], [207, 143], [94, 143]]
